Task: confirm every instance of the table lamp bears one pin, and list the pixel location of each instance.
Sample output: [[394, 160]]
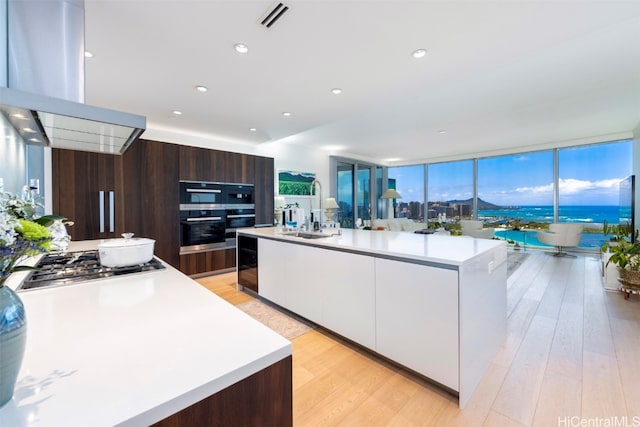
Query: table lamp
[[330, 206], [391, 194]]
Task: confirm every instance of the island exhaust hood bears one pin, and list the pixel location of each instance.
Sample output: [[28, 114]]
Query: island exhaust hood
[[58, 123], [43, 97]]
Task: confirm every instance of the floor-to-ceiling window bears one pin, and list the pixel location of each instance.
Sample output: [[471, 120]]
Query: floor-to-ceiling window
[[588, 186], [525, 191], [450, 191], [356, 186], [344, 196], [409, 183], [363, 195], [508, 183], [516, 191]]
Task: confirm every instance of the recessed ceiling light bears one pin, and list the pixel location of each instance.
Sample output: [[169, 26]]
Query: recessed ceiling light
[[442, 132], [201, 88], [177, 112], [88, 54], [28, 130], [241, 48], [336, 91], [286, 114], [419, 53], [18, 116], [34, 140], [253, 129]]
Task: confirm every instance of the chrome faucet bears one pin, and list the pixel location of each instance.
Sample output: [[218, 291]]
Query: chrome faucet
[[311, 191]]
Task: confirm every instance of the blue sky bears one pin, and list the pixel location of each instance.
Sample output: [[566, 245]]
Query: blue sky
[[589, 175]]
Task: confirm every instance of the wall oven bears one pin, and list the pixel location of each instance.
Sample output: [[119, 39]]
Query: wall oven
[[211, 212], [202, 229], [201, 195], [238, 217]]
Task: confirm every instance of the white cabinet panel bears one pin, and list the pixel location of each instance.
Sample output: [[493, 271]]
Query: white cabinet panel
[[304, 281], [334, 289], [417, 318], [348, 305], [272, 271]]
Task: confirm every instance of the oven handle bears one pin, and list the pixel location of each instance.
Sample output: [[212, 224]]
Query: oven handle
[[197, 190], [242, 216], [206, 218]]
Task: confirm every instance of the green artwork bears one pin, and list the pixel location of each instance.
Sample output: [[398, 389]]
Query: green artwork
[[291, 183]]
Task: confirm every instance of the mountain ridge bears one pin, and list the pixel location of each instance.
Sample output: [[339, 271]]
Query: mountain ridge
[[482, 205]]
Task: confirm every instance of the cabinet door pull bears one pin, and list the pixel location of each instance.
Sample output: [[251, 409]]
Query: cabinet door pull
[[101, 208], [112, 210]]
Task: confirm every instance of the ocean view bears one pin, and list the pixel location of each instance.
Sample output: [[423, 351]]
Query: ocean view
[[577, 214], [590, 216]]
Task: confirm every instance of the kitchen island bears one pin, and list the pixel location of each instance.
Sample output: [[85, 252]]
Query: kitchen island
[[433, 304], [145, 348]]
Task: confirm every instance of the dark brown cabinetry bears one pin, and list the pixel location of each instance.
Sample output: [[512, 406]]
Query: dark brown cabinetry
[[151, 195], [203, 262], [263, 399], [87, 189], [264, 180], [239, 168], [201, 164], [144, 186]]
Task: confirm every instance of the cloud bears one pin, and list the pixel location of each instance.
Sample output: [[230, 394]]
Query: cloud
[[575, 186], [537, 189], [572, 186]]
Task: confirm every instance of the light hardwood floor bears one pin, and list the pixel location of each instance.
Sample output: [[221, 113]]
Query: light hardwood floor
[[572, 355]]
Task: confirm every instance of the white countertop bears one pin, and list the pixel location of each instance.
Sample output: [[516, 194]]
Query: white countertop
[[131, 350], [430, 248]]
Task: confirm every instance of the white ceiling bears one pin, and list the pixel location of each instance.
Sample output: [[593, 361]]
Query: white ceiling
[[498, 75]]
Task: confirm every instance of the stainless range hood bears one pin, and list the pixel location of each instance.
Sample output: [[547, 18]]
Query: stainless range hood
[[58, 123], [42, 94]]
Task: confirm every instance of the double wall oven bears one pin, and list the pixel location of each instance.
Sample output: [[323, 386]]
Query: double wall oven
[[211, 212]]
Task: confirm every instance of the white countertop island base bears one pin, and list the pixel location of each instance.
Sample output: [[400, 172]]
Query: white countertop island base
[[143, 348], [434, 304]]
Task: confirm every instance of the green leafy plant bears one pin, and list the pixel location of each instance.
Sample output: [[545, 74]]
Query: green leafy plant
[[625, 255], [618, 233]]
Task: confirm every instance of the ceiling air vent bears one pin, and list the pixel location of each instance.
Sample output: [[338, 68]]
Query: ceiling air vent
[[274, 15]]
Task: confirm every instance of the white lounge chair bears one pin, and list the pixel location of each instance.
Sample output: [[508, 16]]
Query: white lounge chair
[[562, 236], [475, 229]]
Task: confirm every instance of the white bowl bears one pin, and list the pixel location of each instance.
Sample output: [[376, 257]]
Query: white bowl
[[126, 252]]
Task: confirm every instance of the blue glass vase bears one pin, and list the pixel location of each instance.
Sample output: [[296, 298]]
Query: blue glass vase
[[13, 337]]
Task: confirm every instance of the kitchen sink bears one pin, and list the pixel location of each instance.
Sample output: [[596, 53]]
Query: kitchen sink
[[306, 234]]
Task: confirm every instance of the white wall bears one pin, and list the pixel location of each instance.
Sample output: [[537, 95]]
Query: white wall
[[12, 158], [288, 156]]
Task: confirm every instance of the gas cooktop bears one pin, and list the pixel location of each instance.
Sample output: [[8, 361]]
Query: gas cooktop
[[56, 269]]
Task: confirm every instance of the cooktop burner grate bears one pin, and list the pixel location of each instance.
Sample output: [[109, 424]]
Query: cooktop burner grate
[[56, 269]]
